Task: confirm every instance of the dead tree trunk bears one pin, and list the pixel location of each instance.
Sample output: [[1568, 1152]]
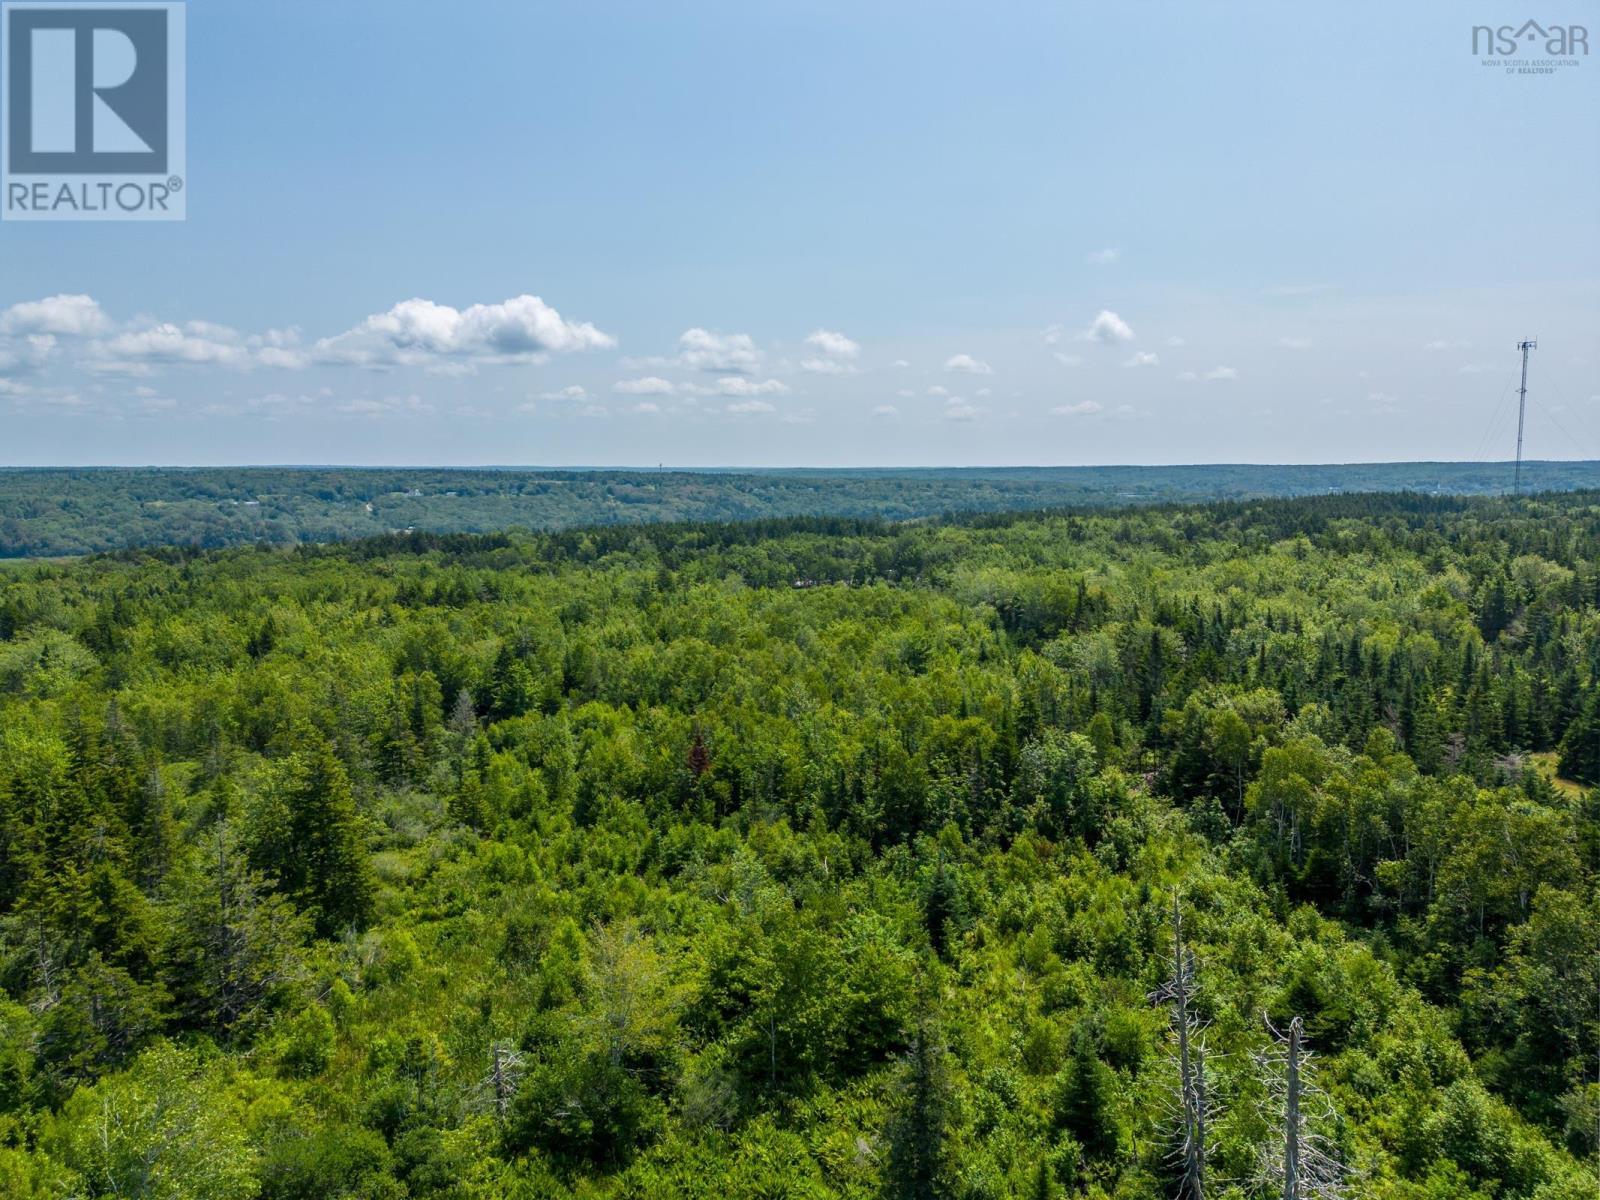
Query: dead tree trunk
[[505, 1065], [1305, 1162], [1291, 1115], [1190, 1154]]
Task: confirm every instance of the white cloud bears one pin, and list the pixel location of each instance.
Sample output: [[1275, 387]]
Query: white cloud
[[1295, 343], [645, 406], [965, 364], [415, 332], [1069, 360], [886, 410], [900, 362], [573, 391], [1082, 408], [738, 385], [650, 385], [64, 315], [751, 406], [1186, 376], [27, 355], [826, 366], [1441, 344], [1143, 358], [958, 409], [1108, 327], [833, 343], [707, 351], [1105, 257], [1222, 373], [938, 390], [1175, 340], [367, 407], [199, 343]]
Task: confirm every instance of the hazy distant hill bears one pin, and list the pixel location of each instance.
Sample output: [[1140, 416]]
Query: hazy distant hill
[[45, 512]]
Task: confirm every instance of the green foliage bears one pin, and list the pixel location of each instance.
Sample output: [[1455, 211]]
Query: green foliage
[[637, 861], [168, 1129]]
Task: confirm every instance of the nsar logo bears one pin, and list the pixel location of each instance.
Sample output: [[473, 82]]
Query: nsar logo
[[91, 112], [1531, 48]]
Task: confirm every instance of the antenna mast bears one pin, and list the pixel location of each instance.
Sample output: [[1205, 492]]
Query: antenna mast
[[1522, 409]]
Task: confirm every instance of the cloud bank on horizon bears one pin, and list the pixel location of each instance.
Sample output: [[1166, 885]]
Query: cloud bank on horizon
[[67, 355]]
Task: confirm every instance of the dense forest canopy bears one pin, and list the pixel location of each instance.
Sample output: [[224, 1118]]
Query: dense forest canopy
[[61, 512], [811, 858]]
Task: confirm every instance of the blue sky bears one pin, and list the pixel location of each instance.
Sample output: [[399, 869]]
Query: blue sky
[[831, 233]]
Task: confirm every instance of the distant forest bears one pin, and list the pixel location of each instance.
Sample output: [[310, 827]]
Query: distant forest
[[48, 513]]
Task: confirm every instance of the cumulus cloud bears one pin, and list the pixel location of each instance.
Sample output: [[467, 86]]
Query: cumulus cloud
[[826, 366], [645, 406], [1108, 327], [1069, 360], [575, 391], [1142, 358], [62, 316], [751, 406], [199, 343], [1105, 257], [1222, 373], [886, 410], [958, 409], [1441, 344], [965, 364], [1295, 343], [704, 350], [1082, 408], [650, 385], [738, 385], [415, 332], [832, 343], [26, 355], [835, 353]]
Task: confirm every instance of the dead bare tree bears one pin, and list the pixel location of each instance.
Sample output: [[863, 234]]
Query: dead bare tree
[[505, 1072], [1193, 1105], [1305, 1162]]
